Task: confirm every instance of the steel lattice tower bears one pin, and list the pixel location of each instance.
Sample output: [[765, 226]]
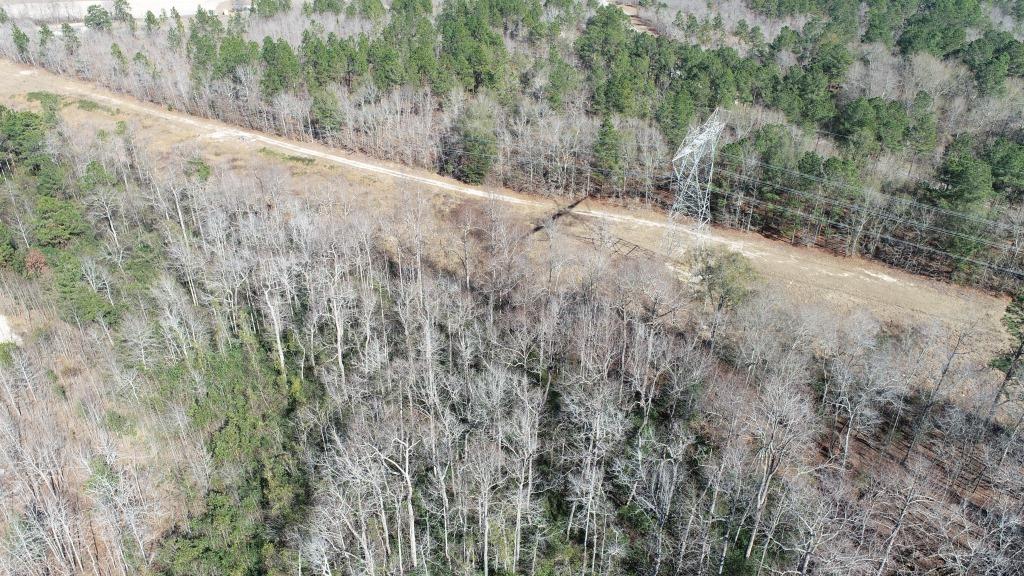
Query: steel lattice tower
[[693, 165]]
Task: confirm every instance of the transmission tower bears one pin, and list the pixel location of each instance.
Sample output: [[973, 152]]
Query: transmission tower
[[693, 165]]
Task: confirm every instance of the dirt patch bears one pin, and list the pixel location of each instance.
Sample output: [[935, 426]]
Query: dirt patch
[[638, 22], [7, 334]]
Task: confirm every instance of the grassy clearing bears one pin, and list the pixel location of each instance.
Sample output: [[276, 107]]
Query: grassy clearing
[[304, 160], [93, 106]]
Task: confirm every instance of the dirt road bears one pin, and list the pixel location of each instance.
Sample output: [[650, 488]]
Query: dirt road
[[810, 277]]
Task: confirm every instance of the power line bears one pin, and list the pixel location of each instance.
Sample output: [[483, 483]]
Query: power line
[[578, 153], [1017, 273], [587, 170], [818, 131], [879, 213], [813, 131], [876, 212], [903, 200], [766, 271], [590, 169]]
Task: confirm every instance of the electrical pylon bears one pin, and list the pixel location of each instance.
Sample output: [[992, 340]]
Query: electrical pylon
[[694, 164]]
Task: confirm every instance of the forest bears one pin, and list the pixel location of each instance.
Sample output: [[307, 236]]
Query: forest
[[218, 378], [883, 129], [215, 375]]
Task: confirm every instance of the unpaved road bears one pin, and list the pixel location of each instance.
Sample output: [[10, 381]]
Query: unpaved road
[[809, 276]]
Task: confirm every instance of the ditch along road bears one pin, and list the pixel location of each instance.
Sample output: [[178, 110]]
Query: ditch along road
[[808, 276]]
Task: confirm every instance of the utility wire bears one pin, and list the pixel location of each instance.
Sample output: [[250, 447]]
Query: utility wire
[[903, 200], [645, 175], [588, 170], [1017, 273], [766, 271], [878, 213]]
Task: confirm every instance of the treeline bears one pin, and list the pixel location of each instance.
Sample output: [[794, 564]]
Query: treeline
[[938, 27], [557, 99]]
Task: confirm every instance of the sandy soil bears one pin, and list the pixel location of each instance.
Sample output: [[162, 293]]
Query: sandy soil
[[811, 277], [636, 20], [7, 334]]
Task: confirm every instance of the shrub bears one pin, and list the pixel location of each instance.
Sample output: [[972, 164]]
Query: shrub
[[607, 156], [58, 222], [20, 41], [7, 247], [35, 262], [97, 18], [475, 145]]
